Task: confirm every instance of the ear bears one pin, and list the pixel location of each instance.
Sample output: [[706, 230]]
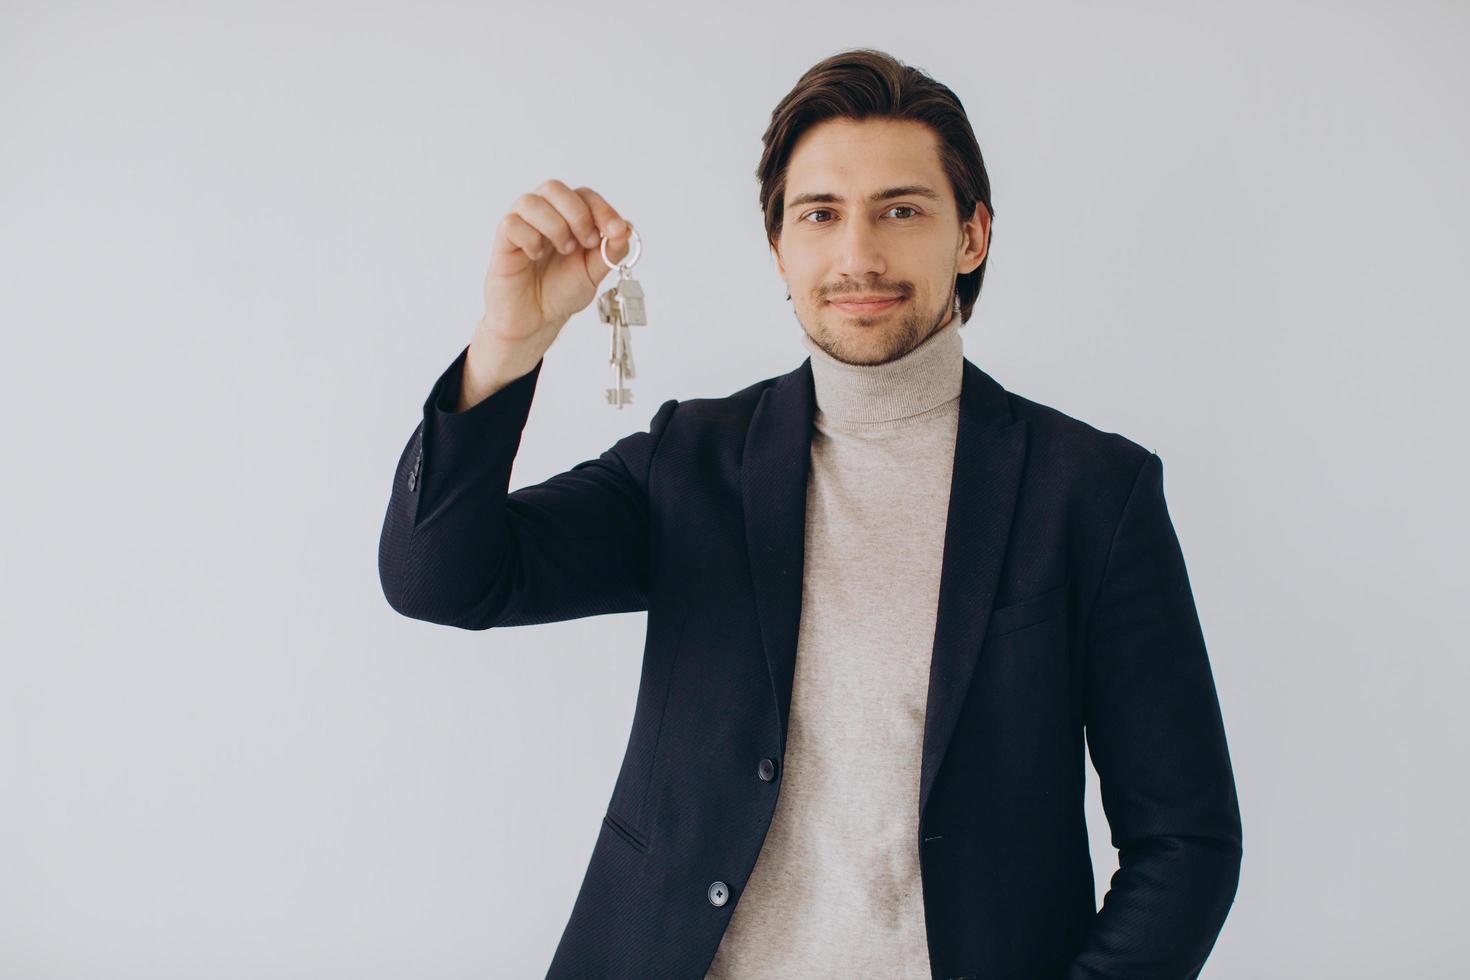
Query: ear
[[776, 249], [976, 244]]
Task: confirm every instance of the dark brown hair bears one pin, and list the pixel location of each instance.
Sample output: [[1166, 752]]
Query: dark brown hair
[[864, 83]]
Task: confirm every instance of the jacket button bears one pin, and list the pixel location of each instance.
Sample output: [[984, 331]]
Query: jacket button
[[718, 894], [766, 770]]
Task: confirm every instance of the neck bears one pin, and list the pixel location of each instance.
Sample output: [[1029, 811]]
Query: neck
[[926, 377]]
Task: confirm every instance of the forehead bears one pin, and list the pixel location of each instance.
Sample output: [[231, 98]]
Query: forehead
[[838, 155]]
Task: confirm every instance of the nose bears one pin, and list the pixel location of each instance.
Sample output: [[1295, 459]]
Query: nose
[[860, 254]]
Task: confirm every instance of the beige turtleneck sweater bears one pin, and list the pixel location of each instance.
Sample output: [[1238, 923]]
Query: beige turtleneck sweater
[[836, 889]]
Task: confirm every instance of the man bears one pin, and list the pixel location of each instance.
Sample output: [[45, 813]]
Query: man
[[890, 603]]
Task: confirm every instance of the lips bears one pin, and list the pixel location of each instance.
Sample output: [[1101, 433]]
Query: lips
[[861, 306]]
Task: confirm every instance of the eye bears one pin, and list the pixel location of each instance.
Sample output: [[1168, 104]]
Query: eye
[[896, 207]]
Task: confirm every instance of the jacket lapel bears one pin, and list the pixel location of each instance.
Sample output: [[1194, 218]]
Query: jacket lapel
[[990, 447], [773, 485]]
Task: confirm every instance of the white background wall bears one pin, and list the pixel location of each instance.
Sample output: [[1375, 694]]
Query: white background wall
[[237, 245]]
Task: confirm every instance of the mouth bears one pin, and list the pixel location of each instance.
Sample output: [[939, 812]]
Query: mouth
[[866, 307]]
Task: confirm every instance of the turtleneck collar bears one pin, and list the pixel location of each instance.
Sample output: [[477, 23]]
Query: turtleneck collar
[[926, 377]]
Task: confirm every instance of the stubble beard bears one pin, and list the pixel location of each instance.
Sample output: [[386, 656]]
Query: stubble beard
[[893, 340]]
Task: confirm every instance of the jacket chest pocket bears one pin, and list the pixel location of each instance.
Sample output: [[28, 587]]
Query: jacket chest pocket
[[629, 834], [1040, 608]]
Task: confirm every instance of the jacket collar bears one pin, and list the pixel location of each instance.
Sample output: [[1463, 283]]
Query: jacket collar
[[990, 446]]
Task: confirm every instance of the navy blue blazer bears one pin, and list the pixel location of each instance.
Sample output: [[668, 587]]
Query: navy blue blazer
[[1066, 625]]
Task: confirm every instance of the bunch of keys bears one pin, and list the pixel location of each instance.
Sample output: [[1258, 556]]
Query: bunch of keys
[[621, 307]]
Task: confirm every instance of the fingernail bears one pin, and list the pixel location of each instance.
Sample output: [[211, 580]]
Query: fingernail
[[592, 241]]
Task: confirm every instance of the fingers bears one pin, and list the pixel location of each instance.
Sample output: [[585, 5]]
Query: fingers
[[539, 213], [558, 217], [520, 234], [607, 219], [575, 213]]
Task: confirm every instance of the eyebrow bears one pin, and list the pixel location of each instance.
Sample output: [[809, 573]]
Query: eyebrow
[[908, 190]]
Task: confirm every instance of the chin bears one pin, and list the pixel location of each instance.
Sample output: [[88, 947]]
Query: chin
[[858, 342]]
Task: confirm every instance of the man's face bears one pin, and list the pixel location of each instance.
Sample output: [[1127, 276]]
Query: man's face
[[837, 245]]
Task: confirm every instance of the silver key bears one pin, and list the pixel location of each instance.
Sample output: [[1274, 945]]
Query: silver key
[[621, 307], [612, 314], [627, 352], [610, 311], [622, 360], [629, 301], [606, 304], [630, 297]]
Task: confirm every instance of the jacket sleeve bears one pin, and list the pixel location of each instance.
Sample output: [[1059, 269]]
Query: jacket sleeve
[[458, 549], [1157, 740]]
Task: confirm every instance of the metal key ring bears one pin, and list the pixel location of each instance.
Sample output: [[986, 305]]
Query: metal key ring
[[637, 251]]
